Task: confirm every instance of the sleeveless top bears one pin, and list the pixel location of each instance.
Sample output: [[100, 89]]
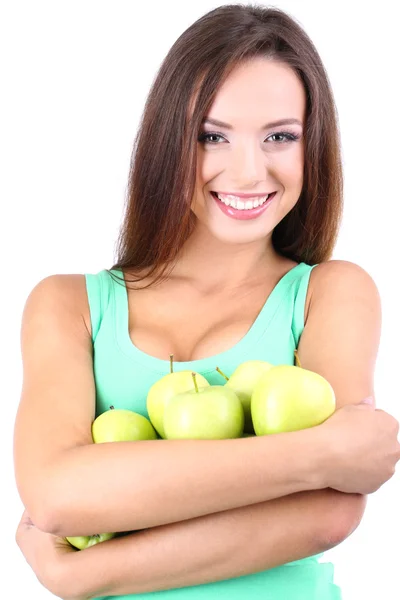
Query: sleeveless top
[[124, 374]]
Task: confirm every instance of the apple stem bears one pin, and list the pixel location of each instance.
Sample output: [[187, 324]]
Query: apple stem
[[221, 373], [195, 383], [111, 408], [296, 355], [171, 361]]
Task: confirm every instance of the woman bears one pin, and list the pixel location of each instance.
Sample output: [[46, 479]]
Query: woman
[[235, 198]]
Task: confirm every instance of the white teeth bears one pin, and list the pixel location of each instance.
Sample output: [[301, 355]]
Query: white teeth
[[239, 204]]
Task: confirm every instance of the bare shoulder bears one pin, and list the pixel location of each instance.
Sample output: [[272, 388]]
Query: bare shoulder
[[60, 294], [345, 274], [344, 297], [335, 282]]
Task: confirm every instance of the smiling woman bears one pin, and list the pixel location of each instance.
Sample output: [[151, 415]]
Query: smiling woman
[[233, 209]]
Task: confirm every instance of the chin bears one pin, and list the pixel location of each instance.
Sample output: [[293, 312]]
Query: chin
[[234, 236]]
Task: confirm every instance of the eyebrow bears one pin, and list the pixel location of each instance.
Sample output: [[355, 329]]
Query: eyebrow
[[267, 126]]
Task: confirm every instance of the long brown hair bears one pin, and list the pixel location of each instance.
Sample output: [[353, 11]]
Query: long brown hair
[[158, 218]]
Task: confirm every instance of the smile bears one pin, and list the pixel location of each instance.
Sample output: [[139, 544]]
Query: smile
[[243, 209], [241, 203]]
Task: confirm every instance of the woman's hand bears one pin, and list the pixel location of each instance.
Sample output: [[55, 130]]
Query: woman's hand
[[363, 448], [45, 553]]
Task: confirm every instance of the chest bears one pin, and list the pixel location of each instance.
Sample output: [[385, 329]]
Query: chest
[[190, 325]]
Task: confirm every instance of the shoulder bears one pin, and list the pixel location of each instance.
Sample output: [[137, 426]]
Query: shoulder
[[340, 270], [337, 282], [60, 294]]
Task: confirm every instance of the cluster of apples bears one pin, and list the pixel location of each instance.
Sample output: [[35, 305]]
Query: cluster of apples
[[258, 399]]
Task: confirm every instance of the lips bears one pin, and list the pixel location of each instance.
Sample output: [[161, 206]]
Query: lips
[[243, 198], [242, 214]]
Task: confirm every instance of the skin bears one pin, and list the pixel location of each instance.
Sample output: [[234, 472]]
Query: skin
[[342, 305]]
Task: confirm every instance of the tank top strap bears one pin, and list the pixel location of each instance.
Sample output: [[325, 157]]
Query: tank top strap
[[300, 301], [98, 287]]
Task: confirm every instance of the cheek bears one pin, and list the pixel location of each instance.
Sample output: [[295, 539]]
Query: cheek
[[209, 164], [289, 167]]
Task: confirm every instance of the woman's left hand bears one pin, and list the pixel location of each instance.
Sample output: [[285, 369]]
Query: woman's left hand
[[45, 553]]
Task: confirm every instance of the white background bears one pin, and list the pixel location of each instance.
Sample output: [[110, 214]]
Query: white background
[[75, 76]]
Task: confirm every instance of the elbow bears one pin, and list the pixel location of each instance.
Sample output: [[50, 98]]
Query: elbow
[[42, 508], [48, 523], [60, 518], [43, 515], [348, 515], [53, 517], [50, 501]]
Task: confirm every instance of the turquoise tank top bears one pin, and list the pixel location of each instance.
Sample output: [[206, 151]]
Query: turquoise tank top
[[124, 374]]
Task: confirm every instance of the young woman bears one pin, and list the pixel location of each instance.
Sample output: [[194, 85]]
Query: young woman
[[235, 198]]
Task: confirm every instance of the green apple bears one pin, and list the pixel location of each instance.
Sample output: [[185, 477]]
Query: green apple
[[122, 425], [213, 412], [166, 388], [290, 398], [85, 541], [243, 381]]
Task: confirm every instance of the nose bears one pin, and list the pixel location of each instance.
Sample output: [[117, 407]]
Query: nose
[[247, 165]]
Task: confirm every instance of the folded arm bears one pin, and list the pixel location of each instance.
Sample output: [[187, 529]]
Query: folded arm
[[211, 548]]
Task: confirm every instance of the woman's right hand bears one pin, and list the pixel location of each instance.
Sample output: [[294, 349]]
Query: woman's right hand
[[363, 448]]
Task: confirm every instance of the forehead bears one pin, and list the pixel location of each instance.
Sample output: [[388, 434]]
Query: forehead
[[257, 91]]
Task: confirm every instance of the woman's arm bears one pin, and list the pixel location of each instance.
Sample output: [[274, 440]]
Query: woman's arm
[[71, 486], [210, 548], [340, 341]]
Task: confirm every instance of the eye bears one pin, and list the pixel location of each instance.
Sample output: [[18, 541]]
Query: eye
[[204, 137], [288, 137]]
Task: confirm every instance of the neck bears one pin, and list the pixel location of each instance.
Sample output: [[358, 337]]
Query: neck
[[210, 263]]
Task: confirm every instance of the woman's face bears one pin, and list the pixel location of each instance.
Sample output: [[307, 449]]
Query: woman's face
[[249, 154]]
